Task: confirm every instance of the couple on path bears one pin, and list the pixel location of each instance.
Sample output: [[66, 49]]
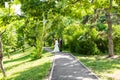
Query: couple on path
[[58, 46]]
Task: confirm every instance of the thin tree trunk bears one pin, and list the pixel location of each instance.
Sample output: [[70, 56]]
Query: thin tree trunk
[[1, 58], [1, 66]]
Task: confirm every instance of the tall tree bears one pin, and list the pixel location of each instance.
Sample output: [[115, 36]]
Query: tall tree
[[37, 11], [102, 7], [109, 22]]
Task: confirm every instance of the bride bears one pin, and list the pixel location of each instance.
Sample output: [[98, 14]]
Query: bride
[[56, 48]]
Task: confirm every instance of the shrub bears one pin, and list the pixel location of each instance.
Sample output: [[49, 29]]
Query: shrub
[[72, 46], [102, 45], [117, 45], [87, 47], [34, 54], [116, 38]]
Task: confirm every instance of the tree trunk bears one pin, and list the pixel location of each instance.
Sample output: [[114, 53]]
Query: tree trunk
[[1, 58], [1, 66], [110, 40]]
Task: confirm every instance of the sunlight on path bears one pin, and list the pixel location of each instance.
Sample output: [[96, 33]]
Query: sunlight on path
[[67, 67]]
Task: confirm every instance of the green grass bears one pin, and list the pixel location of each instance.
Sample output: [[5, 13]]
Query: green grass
[[105, 68], [21, 67]]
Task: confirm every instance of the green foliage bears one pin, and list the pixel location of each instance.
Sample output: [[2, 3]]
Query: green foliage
[[34, 54], [16, 2], [77, 42], [71, 35], [84, 40], [38, 14], [9, 38], [116, 38], [101, 3], [36, 8], [87, 47], [28, 32], [102, 45], [93, 33], [101, 27], [48, 41], [50, 19], [28, 6], [20, 38]]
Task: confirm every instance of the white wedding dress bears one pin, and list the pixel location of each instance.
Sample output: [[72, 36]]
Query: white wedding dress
[[56, 48]]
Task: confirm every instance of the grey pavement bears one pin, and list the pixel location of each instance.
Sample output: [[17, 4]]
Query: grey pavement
[[67, 67]]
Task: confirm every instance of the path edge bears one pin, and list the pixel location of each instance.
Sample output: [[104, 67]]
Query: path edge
[[85, 66], [51, 71]]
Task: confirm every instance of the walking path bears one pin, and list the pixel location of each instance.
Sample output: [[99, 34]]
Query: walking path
[[67, 67]]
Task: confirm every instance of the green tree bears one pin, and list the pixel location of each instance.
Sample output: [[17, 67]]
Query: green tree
[[38, 12], [102, 7], [109, 22]]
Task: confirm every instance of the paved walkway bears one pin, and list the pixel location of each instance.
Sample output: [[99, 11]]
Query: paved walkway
[[67, 67]]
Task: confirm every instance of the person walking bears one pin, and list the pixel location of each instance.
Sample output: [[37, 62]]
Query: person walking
[[56, 48]]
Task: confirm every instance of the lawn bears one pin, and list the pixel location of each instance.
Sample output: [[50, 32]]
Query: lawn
[[105, 68], [21, 67]]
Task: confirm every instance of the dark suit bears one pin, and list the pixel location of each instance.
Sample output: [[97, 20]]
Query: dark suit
[[60, 45]]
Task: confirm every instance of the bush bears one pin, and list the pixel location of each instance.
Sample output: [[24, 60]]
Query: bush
[[72, 46], [116, 38], [87, 47], [34, 54], [117, 45], [102, 45]]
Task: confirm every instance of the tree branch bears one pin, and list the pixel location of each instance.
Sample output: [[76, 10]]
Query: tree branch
[[3, 32]]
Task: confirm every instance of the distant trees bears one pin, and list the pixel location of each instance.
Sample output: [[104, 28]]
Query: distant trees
[[98, 14], [74, 21]]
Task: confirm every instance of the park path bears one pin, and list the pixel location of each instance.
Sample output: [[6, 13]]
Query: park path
[[67, 67]]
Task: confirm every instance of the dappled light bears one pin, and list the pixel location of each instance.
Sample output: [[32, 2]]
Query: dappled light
[[20, 66], [66, 67], [105, 68], [33, 31]]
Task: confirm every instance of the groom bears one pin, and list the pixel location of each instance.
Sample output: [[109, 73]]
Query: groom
[[60, 45]]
